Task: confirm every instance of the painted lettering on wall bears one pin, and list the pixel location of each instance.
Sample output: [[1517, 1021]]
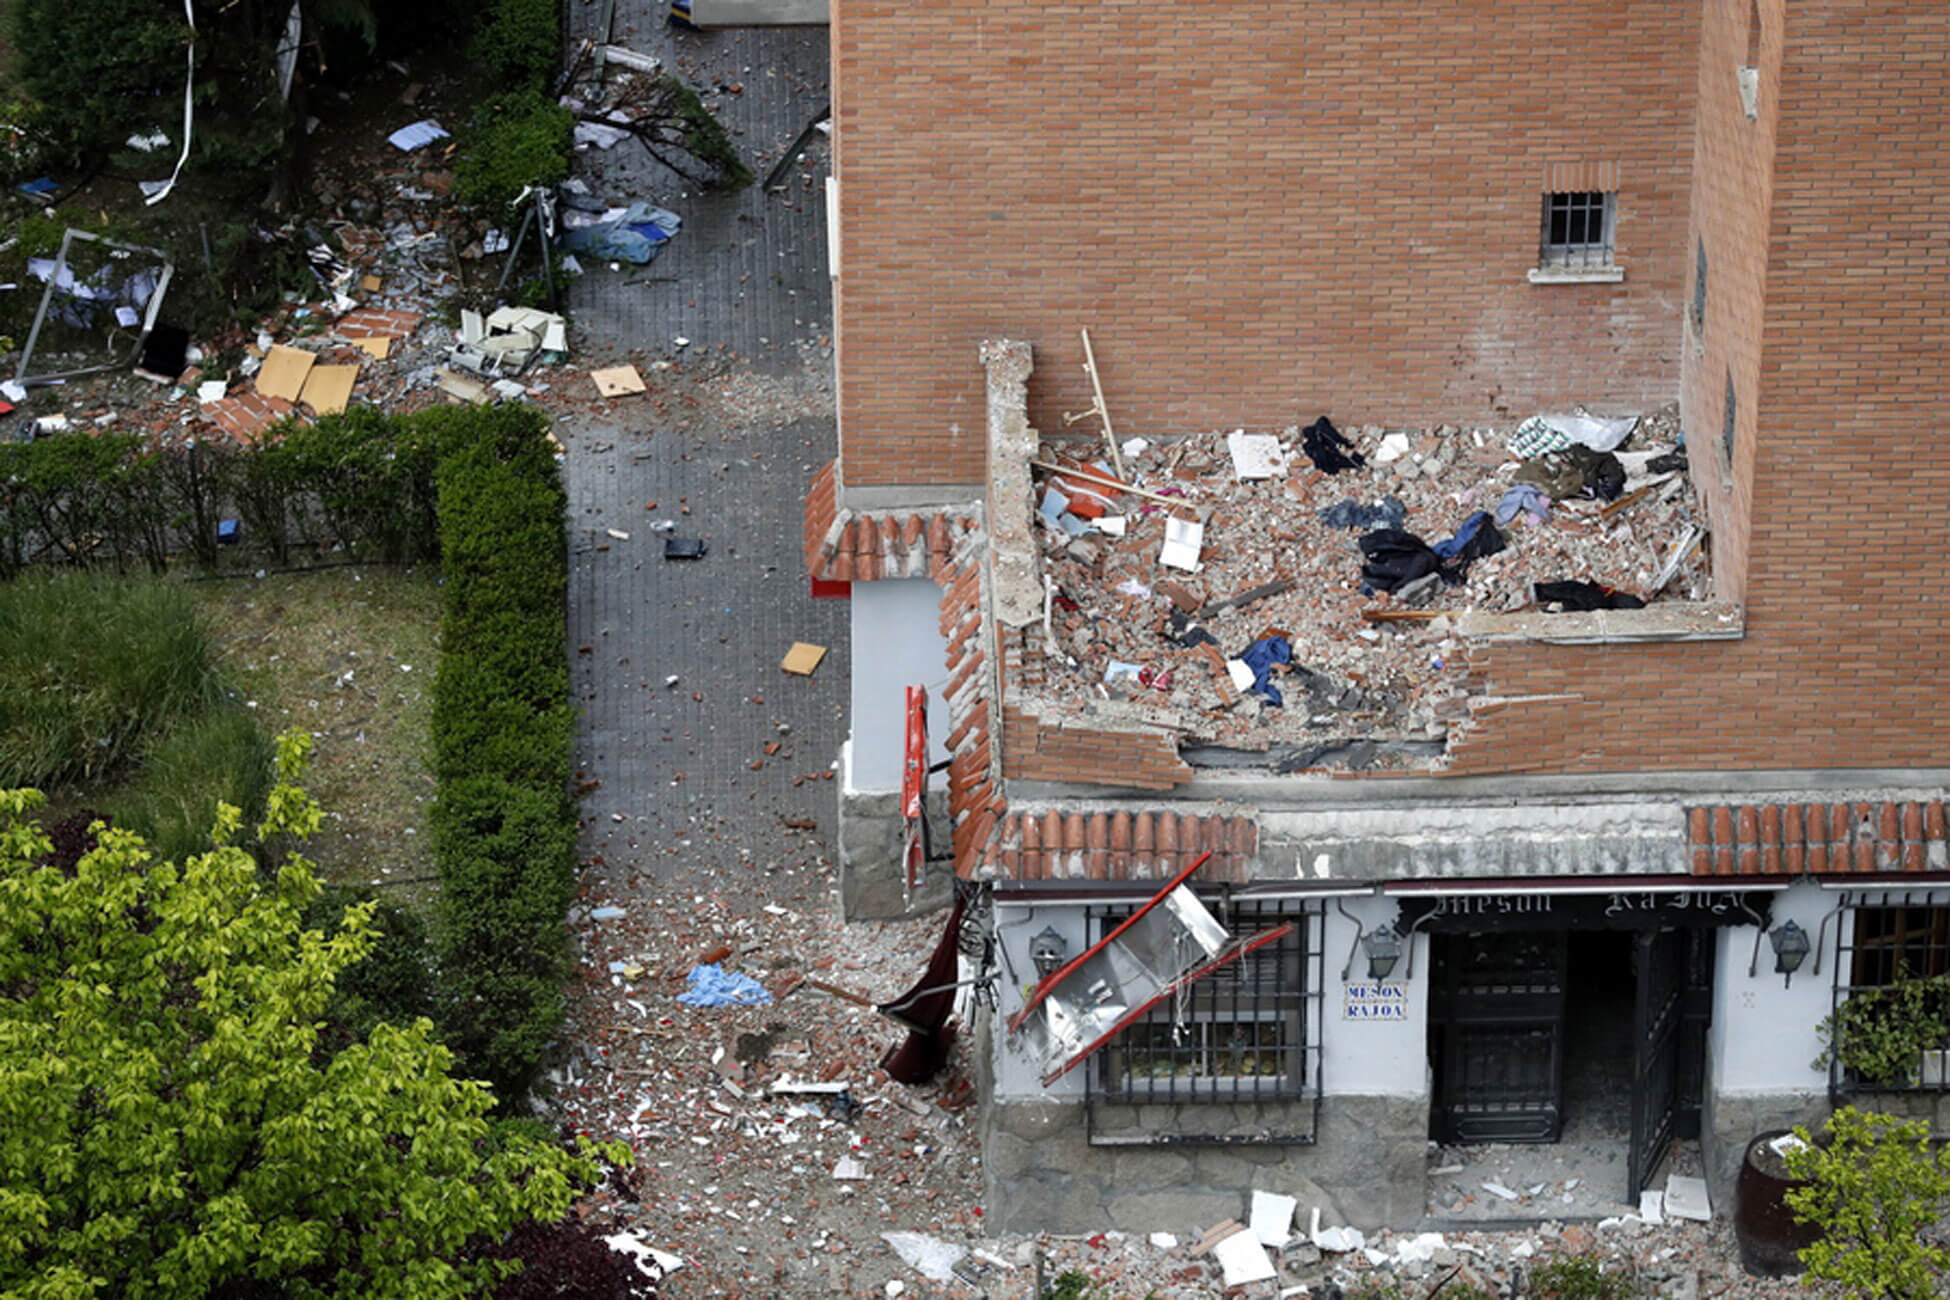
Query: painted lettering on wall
[[1717, 903], [1484, 904], [1374, 1002]]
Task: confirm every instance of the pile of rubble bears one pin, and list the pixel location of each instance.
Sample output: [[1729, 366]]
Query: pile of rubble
[[1671, 1259], [1252, 590], [765, 1129]]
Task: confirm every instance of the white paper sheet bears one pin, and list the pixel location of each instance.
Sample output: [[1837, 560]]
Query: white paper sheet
[[1184, 539]]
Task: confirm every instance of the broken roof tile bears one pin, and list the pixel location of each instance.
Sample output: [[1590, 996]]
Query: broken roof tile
[[1075, 842]]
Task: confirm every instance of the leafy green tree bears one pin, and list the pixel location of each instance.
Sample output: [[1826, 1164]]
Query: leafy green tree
[[1876, 1185], [171, 1123]]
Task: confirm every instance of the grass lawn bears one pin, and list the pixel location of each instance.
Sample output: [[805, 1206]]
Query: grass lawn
[[347, 654]]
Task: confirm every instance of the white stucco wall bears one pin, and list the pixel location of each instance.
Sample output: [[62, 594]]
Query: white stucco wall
[[1763, 1037], [1372, 1057], [897, 643]]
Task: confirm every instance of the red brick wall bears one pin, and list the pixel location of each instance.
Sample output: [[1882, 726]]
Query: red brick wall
[[1263, 211], [1733, 178], [1845, 661]]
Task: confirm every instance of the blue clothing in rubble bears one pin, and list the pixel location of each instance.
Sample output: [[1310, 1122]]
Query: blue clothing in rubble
[[1263, 656]]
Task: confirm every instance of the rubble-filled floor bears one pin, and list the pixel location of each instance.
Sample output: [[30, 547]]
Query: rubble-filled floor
[[1124, 622]]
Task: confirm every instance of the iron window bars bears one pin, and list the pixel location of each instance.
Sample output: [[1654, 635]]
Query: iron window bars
[[1577, 229], [1242, 1045], [1882, 938]]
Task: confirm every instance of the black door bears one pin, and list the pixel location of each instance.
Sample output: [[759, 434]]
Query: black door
[[1496, 1029], [1662, 967], [1695, 1014]]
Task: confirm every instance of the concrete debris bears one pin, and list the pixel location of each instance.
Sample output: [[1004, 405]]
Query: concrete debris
[[931, 1257], [1686, 1198]]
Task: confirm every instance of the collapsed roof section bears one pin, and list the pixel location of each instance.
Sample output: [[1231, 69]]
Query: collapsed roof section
[[1306, 600]]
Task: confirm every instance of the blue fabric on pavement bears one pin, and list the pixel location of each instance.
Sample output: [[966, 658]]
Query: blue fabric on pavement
[[713, 986]]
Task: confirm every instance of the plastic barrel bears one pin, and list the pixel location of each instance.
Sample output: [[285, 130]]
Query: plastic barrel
[[1766, 1229]]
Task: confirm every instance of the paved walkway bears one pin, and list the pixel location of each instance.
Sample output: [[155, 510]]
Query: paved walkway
[[708, 772]]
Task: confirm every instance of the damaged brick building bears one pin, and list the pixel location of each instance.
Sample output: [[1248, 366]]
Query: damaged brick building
[[1477, 818]]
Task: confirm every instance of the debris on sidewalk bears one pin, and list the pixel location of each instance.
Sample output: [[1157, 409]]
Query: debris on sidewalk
[[802, 658], [417, 135], [617, 381]]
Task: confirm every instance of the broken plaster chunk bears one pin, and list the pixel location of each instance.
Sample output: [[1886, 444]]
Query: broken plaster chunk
[[1243, 1260], [1393, 447]]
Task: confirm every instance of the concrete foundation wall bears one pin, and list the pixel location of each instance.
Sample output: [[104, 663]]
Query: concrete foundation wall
[[1728, 1123], [872, 832]]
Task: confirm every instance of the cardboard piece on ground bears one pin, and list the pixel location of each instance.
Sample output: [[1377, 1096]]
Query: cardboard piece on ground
[[1255, 455], [372, 284], [457, 385], [417, 135], [1184, 539], [283, 373], [376, 347], [803, 658], [328, 388], [617, 380]]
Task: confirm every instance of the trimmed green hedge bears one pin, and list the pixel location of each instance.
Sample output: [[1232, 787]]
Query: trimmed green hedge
[[480, 489], [504, 828], [360, 481]]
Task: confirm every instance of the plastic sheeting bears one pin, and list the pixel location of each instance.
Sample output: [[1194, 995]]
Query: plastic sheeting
[[636, 234]]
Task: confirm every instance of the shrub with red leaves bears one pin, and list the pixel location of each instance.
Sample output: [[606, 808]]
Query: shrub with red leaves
[[72, 840], [567, 1259]]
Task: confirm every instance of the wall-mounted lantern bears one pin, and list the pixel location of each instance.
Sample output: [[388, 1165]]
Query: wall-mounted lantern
[[1047, 951], [1384, 949], [1791, 948]]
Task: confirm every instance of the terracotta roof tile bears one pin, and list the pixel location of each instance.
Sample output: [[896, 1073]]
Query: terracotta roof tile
[[844, 545], [1075, 844], [1891, 836]]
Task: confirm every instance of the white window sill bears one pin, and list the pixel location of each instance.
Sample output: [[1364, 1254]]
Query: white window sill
[[1576, 274]]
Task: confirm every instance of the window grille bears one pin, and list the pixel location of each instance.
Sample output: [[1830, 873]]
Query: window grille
[[1577, 229], [1241, 1046], [1885, 939]]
